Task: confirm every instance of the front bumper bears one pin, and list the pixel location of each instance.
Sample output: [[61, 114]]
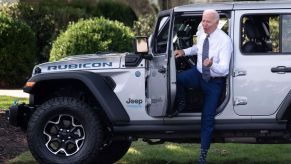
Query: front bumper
[[18, 115]]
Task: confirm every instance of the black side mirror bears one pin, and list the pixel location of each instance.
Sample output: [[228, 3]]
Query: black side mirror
[[141, 47]]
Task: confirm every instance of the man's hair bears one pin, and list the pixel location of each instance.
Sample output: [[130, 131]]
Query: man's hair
[[214, 12]]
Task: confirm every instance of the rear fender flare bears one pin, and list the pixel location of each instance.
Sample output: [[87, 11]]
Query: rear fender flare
[[284, 111]]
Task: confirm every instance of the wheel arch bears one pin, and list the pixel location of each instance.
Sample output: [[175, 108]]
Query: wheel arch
[[100, 88], [284, 111]]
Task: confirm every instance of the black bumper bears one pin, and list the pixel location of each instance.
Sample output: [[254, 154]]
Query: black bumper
[[18, 115]]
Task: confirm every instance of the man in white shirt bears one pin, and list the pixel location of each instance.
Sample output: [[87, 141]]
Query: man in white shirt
[[213, 49]]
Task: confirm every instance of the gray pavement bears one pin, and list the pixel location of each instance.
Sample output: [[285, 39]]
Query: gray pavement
[[13, 92]]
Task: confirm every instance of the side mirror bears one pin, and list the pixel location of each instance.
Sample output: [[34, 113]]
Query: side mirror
[[141, 47]]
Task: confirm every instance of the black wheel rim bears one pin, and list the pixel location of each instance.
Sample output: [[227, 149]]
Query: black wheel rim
[[64, 135]]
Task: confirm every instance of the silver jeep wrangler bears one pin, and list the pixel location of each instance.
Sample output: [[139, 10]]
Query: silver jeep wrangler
[[91, 107]]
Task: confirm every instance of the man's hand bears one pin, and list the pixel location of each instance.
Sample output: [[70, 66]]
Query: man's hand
[[208, 62], [179, 53]]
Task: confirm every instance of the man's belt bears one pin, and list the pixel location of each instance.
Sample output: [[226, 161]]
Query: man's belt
[[218, 78]]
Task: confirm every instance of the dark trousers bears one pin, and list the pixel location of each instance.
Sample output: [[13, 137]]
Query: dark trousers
[[211, 91]]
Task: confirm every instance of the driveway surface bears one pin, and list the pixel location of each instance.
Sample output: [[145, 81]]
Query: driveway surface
[[13, 92]]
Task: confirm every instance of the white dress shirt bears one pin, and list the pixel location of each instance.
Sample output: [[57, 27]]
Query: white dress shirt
[[220, 48]]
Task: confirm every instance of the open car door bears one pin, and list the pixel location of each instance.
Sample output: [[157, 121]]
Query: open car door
[[161, 86]]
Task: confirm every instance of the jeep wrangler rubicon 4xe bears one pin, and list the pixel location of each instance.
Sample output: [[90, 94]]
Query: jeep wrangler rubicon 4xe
[[91, 107]]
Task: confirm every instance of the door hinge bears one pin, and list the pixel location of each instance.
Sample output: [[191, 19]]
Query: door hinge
[[239, 73], [240, 101]]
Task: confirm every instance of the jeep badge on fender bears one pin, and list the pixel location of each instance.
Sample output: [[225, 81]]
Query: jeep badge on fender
[[134, 101]]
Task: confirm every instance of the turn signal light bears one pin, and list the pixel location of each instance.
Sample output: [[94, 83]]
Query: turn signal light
[[29, 84]]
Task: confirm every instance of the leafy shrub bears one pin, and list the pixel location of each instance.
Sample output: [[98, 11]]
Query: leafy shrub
[[90, 36], [17, 51]]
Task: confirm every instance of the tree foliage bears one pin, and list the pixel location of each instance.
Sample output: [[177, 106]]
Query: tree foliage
[[144, 25], [17, 51], [48, 18]]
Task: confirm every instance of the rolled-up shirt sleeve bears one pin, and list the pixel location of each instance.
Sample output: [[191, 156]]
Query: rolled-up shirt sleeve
[[191, 50]]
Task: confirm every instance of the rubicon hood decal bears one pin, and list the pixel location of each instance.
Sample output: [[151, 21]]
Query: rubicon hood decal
[[86, 62], [88, 65]]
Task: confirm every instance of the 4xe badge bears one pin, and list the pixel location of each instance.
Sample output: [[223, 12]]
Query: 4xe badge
[[134, 102]]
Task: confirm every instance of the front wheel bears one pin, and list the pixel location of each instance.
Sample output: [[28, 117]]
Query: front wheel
[[64, 130]]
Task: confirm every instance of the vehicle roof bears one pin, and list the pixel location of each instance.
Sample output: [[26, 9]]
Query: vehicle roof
[[251, 5]]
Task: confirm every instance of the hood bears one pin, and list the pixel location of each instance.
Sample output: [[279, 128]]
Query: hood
[[81, 62]]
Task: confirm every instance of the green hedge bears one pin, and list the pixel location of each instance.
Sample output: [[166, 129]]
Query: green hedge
[[50, 17], [46, 21], [17, 52], [90, 36]]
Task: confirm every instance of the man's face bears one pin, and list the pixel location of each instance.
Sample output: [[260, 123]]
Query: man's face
[[209, 22]]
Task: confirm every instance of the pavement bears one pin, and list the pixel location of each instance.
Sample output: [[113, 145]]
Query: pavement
[[13, 93]]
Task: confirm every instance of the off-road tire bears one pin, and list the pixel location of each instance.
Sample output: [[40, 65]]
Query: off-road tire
[[113, 151], [86, 132]]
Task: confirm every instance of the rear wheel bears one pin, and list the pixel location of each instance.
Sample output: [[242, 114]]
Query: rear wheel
[[64, 130]]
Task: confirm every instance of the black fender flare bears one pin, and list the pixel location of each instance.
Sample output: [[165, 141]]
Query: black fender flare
[[96, 84], [284, 109]]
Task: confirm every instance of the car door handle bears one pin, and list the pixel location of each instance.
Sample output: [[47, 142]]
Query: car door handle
[[280, 69], [162, 69]]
